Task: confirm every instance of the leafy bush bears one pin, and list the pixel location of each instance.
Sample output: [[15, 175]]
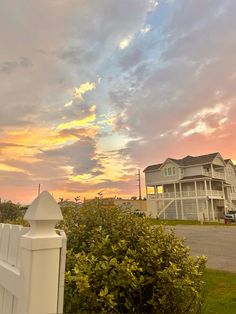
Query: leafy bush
[[10, 212], [119, 263]]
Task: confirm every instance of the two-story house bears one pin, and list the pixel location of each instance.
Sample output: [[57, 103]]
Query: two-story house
[[199, 188]]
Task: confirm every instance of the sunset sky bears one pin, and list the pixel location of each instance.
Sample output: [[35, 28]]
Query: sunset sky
[[92, 90]]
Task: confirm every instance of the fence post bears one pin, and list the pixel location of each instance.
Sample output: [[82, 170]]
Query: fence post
[[40, 257]]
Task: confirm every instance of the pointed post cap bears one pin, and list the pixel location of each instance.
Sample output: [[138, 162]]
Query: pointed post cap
[[44, 208]]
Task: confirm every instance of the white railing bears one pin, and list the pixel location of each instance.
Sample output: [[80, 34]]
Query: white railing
[[32, 261], [151, 196], [169, 195], [218, 175], [206, 173], [233, 196], [214, 174], [201, 192], [188, 194], [215, 193]]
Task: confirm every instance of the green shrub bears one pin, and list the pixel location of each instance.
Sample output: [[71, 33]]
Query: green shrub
[[119, 263], [10, 212]]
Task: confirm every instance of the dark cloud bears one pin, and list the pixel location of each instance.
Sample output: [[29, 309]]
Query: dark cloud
[[80, 155], [7, 67]]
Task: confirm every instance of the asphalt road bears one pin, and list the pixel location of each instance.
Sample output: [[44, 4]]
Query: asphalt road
[[218, 243]]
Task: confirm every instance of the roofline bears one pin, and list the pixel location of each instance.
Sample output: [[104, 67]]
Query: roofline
[[230, 161], [219, 155], [168, 159], [197, 164]]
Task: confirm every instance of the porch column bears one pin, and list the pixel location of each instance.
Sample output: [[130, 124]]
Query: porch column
[[207, 208], [205, 185], [181, 200], [212, 210], [212, 171], [155, 191], [210, 187], [224, 198], [195, 186], [176, 208]]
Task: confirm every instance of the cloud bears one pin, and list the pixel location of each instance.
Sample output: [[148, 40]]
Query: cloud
[[124, 43], [187, 94], [84, 88], [145, 29], [7, 67]]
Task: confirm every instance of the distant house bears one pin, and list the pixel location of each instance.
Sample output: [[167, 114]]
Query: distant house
[[134, 205], [201, 187]]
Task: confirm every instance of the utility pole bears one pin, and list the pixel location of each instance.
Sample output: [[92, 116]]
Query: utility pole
[[39, 188], [139, 184]]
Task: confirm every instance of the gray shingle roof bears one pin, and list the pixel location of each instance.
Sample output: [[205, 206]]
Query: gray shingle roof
[[195, 160], [152, 167], [187, 161]]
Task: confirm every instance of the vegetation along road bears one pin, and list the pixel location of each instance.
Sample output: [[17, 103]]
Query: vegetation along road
[[216, 242]]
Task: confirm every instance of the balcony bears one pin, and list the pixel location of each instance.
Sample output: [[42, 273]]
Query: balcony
[[188, 194], [233, 196], [218, 175], [215, 174], [215, 193], [206, 173]]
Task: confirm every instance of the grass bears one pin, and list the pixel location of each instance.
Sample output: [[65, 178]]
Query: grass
[[219, 292], [184, 222]]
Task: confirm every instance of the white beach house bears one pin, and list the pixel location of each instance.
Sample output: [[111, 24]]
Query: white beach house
[[200, 187]]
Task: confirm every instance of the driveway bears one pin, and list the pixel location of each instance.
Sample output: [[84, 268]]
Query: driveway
[[216, 242]]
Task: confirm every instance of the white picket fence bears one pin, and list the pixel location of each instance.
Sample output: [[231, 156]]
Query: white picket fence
[[32, 261]]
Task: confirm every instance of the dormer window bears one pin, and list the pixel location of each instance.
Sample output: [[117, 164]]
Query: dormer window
[[169, 171]]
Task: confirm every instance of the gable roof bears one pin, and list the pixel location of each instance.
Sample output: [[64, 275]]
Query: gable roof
[[152, 167], [186, 161], [195, 160]]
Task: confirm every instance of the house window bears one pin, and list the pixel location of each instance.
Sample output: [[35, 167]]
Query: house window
[[170, 171], [150, 190], [160, 189]]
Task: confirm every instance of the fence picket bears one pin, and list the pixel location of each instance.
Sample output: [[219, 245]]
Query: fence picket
[[15, 302], [13, 248], [4, 242], [7, 302], [1, 299]]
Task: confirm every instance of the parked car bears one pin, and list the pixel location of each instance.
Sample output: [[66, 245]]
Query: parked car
[[230, 216], [232, 212]]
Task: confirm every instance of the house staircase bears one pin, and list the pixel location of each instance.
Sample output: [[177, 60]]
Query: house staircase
[[168, 211]]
